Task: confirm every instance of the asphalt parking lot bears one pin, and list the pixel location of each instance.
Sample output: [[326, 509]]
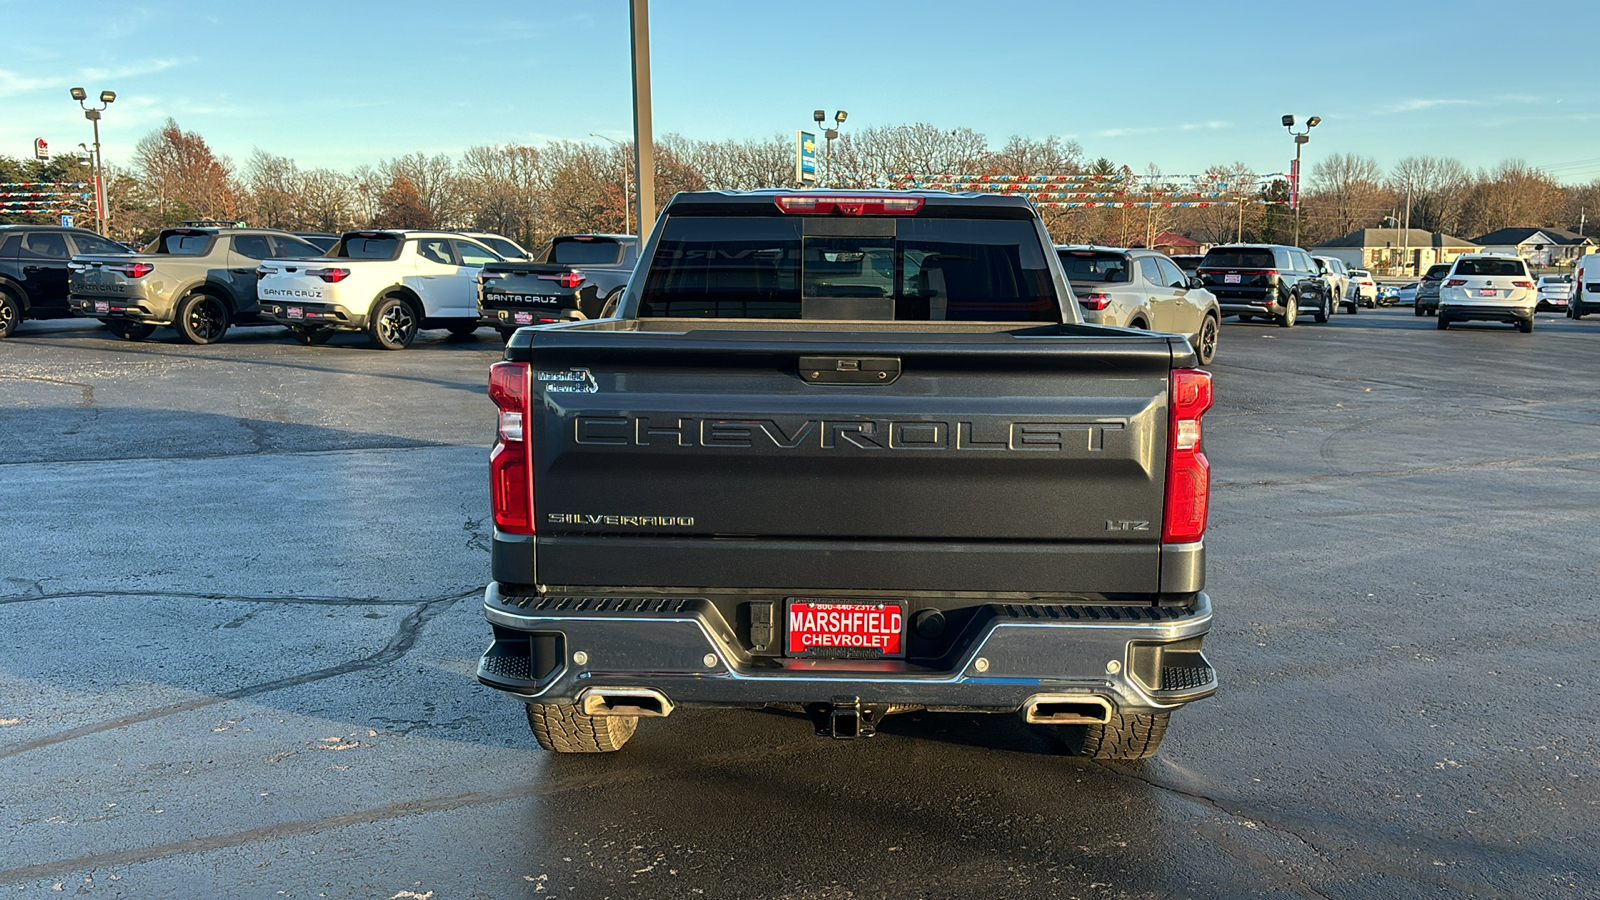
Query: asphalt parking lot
[[240, 615]]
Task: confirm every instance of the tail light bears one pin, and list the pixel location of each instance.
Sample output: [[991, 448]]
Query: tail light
[[1522, 284], [1455, 282], [568, 280], [1188, 472], [510, 472], [134, 270], [1095, 301], [331, 276], [844, 205]]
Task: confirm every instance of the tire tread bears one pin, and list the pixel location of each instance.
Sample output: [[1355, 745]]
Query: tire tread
[[561, 728]]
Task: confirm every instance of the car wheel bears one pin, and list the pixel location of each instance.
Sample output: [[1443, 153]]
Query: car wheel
[[1526, 325], [392, 324], [1420, 311], [1210, 330], [1124, 737], [1323, 312], [462, 329], [1291, 309], [560, 728], [1576, 312], [201, 319], [10, 314], [130, 331], [1444, 324]]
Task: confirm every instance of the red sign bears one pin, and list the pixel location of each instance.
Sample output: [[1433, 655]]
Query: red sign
[[41, 150], [845, 627]]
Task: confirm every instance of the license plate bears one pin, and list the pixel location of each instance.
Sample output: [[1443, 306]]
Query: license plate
[[522, 318], [295, 312], [102, 306], [1487, 292], [845, 629], [1230, 279]]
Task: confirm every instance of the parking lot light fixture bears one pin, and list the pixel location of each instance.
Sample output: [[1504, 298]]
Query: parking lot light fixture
[[838, 120], [1300, 138], [92, 113]]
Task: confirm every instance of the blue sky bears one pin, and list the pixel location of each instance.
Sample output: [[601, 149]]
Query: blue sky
[[1180, 85]]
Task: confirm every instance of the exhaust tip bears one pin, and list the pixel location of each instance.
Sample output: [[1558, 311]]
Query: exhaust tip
[[643, 702], [1066, 709]]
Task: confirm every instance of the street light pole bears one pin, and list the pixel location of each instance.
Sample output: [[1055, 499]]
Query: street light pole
[[627, 211], [838, 120], [644, 148], [1300, 138], [92, 113]]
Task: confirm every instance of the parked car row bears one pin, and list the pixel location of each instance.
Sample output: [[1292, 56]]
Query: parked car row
[[203, 278]]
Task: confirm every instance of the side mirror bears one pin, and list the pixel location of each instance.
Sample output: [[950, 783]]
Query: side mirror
[[1195, 282]]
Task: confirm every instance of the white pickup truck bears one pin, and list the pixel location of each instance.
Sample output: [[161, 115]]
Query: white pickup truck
[[387, 283]]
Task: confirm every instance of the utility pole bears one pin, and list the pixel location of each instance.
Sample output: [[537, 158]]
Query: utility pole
[[644, 150], [1405, 257]]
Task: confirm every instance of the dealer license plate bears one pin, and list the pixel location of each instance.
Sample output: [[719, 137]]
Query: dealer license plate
[[102, 306], [295, 312], [1487, 292], [523, 318], [1230, 279], [845, 629]]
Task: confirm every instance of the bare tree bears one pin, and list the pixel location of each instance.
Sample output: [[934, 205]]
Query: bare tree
[[435, 183], [1347, 192], [1514, 194], [184, 176], [1439, 187]]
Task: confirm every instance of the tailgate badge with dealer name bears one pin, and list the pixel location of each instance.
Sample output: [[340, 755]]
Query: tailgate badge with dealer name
[[577, 380]]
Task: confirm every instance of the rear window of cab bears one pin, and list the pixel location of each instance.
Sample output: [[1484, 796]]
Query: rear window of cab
[[367, 245], [863, 269]]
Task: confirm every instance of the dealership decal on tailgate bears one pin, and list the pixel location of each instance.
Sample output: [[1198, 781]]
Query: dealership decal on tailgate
[[845, 629]]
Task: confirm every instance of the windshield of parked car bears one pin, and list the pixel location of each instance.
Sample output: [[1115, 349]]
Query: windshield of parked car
[[1238, 258], [585, 252], [933, 269], [1490, 267], [1094, 266], [367, 245]]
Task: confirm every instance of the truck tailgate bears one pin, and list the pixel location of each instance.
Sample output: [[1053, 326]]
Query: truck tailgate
[[801, 459]]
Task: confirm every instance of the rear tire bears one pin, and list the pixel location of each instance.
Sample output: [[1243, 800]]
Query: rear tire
[[1291, 311], [1525, 326], [1210, 330], [560, 728], [1124, 737], [1576, 312], [1444, 324], [10, 314], [201, 319], [1421, 312], [130, 331], [392, 325], [1323, 312]]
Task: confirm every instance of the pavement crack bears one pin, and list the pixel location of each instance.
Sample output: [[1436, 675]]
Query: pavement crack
[[405, 638]]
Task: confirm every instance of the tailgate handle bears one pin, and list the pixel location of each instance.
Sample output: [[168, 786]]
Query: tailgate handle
[[849, 369]]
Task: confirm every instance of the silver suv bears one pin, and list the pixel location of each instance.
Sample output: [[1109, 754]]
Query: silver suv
[[1488, 287]]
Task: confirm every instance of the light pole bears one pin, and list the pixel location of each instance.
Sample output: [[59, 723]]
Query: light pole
[[1300, 137], [819, 116], [627, 212], [92, 113]]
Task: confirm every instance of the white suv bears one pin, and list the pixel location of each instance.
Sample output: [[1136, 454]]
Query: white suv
[[1488, 287]]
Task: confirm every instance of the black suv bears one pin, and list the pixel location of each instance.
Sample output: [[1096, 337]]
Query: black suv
[[33, 270], [1272, 281], [1427, 302]]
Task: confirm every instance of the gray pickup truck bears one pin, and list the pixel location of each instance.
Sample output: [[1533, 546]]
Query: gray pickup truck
[[198, 279], [849, 455]]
